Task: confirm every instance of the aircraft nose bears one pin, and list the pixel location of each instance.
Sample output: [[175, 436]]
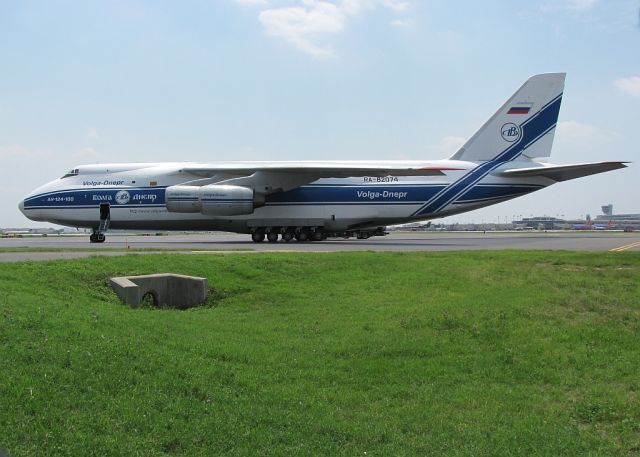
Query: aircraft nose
[[21, 206]]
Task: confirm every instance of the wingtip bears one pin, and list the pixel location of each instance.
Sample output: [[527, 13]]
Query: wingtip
[[619, 163]]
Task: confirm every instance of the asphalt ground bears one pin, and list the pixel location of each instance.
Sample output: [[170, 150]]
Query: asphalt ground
[[395, 241]]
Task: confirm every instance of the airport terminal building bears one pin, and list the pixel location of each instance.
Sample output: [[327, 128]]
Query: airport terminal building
[[620, 221], [607, 220]]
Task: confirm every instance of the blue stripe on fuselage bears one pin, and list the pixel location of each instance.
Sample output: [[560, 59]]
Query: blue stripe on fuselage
[[92, 197], [488, 191], [356, 194]]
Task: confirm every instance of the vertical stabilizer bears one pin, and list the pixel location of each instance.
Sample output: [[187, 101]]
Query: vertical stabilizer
[[523, 128]]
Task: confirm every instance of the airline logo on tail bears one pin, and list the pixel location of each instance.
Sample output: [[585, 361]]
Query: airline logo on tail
[[510, 132]]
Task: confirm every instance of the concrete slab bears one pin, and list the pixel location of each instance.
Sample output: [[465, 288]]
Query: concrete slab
[[166, 290]]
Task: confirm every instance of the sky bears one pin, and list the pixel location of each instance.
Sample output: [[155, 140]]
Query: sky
[[211, 80]]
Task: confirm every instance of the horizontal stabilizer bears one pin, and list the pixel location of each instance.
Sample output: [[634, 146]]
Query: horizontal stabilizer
[[563, 172]]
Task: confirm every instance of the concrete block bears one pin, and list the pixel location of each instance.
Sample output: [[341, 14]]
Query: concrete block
[[168, 290]]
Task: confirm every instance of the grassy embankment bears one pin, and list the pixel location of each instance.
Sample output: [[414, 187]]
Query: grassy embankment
[[509, 353]]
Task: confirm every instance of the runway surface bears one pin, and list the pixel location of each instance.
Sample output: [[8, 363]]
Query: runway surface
[[396, 241]]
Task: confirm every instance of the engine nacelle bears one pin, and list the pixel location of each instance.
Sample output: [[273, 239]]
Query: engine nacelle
[[183, 199], [212, 200], [226, 200]]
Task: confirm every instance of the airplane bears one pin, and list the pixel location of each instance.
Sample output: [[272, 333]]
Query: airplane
[[588, 225], [314, 200], [13, 233], [609, 226]]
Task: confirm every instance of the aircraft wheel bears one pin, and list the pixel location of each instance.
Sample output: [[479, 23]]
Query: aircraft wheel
[[272, 237], [287, 236], [257, 236], [317, 236], [97, 238], [302, 235]]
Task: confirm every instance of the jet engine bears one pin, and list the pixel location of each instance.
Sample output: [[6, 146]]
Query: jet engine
[[212, 200]]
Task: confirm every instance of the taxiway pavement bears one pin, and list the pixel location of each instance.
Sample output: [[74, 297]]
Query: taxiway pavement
[[395, 241]]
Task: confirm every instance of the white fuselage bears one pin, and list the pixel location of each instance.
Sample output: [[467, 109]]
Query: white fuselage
[[136, 196]]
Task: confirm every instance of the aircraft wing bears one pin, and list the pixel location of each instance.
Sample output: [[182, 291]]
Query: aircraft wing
[[279, 177], [563, 172], [322, 170]]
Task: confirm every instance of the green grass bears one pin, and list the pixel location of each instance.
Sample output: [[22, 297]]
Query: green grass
[[468, 353]]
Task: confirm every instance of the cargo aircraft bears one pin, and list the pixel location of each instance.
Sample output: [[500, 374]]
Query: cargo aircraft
[[506, 158]]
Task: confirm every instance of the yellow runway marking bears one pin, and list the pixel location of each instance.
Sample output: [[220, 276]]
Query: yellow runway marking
[[626, 246]]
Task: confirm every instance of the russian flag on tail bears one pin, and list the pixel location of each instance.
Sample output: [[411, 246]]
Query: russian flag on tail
[[520, 108]]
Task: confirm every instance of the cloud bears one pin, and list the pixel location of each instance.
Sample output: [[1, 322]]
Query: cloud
[[356, 6], [252, 2], [581, 134], [300, 25], [92, 133], [18, 150], [568, 5], [397, 5], [400, 23], [451, 144], [305, 24], [630, 85], [87, 154]]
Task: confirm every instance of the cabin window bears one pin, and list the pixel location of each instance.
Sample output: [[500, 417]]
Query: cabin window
[[73, 172]]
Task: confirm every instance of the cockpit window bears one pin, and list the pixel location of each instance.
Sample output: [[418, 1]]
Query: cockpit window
[[73, 172]]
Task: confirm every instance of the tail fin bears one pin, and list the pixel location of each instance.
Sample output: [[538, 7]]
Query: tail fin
[[523, 128]]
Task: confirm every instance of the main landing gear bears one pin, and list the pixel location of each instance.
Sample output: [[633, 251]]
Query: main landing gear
[[304, 234], [97, 236]]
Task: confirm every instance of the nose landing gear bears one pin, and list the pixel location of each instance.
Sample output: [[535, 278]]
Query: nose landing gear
[[97, 236]]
